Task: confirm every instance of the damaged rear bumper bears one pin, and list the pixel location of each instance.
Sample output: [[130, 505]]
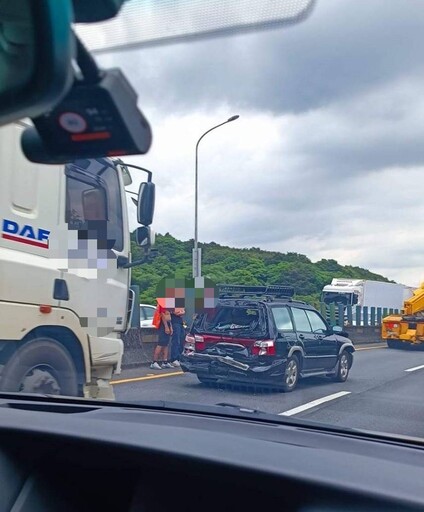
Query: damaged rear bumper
[[228, 369]]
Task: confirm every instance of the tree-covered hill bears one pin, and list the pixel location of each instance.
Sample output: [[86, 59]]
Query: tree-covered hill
[[241, 266]]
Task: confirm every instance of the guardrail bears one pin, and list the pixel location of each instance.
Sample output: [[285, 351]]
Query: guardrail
[[140, 343], [337, 314]]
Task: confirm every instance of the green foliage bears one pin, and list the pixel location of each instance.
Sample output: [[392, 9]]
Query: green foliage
[[241, 266]]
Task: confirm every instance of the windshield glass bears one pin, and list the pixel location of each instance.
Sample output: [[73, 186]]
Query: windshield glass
[[93, 194], [232, 321], [337, 298], [289, 157]]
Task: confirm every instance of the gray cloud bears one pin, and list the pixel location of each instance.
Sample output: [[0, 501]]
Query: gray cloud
[[342, 50], [327, 157]]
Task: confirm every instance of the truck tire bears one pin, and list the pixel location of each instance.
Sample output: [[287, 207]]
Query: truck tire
[[40, 366]]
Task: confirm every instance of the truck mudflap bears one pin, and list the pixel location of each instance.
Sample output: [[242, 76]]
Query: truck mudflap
[[228, 368]]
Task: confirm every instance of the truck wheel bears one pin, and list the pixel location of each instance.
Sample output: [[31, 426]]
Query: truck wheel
[[343, 367], [393, 344], [40, 366], [291, 374]]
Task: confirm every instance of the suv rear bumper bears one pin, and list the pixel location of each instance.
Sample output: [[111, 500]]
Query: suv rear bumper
[[227, 369]]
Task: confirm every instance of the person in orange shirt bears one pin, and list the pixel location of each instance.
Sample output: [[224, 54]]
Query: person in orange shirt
[[160, 356]]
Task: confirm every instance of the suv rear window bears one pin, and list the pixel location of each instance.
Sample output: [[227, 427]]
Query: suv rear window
[[233, 321]]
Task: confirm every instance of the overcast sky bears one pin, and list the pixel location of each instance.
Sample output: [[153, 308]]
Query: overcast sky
[[327, 158]]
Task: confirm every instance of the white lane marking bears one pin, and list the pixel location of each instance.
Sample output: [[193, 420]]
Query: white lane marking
[[314, 403], [415, 368]]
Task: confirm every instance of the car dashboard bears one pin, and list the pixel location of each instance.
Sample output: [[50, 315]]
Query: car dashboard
[[72, 456]]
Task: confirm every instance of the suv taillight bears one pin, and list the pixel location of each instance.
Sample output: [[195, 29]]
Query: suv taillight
[[193, 343], [264, 348]]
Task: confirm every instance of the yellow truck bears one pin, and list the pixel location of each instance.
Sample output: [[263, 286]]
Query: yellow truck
[[406, 328]]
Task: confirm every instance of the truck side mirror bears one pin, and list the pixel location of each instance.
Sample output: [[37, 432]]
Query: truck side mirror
[[146, 203], [145, 237]]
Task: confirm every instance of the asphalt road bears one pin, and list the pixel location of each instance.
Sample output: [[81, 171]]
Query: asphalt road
[[384, 392]]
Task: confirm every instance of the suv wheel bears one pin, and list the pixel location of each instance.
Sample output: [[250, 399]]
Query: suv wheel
[[291, 374], [343, 367]]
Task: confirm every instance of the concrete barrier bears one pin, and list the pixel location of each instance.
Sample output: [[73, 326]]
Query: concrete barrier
[[361, 335], [139, 344]]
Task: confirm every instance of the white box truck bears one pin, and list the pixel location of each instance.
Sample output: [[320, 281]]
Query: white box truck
[[361, 292], [364, 293], [64, 272]]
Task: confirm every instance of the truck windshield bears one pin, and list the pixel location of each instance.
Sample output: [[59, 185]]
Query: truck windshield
[[337, 298], [93, 194]]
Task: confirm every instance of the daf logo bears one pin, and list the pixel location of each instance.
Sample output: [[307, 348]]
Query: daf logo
[[25, 234]]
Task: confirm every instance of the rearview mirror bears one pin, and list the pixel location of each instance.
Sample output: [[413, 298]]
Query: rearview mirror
[[146, 203], [36, 52]]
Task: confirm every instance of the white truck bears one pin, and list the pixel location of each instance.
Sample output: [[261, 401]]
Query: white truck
[[362, 292], [65, 260]]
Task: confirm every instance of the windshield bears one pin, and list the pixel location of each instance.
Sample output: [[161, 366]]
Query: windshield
[[289, 157], [93, 194], [337, 298]]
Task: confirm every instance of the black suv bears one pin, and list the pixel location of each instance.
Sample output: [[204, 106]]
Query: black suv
[[259, 335]]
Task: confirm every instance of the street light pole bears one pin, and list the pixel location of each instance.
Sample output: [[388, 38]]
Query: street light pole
[[197, 264]]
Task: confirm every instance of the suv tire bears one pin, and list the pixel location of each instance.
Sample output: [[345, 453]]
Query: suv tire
[[291, 374], [343, 367]]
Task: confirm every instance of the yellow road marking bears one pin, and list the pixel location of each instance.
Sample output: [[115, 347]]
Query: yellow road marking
[[148, 377], [370, 348]]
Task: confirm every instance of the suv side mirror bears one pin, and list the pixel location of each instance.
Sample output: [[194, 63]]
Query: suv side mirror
[[336, 329], [146, 203]]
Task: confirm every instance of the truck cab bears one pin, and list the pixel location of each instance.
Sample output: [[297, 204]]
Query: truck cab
[[65, 257]]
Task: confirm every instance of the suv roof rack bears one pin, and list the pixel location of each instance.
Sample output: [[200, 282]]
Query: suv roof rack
[[231, 291]]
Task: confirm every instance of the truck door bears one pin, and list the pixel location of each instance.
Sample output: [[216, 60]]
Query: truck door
[[95, 217]]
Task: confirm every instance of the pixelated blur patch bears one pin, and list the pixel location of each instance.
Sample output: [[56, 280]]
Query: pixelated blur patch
[[198, 294]]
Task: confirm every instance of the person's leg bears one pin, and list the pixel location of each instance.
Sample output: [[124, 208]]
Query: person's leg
[[178, 344], [156, 358], [159, 353], [174, 343], [165, 354], [182, 340]]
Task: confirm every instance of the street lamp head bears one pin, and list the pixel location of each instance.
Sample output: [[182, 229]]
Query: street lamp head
[[232, 118]]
